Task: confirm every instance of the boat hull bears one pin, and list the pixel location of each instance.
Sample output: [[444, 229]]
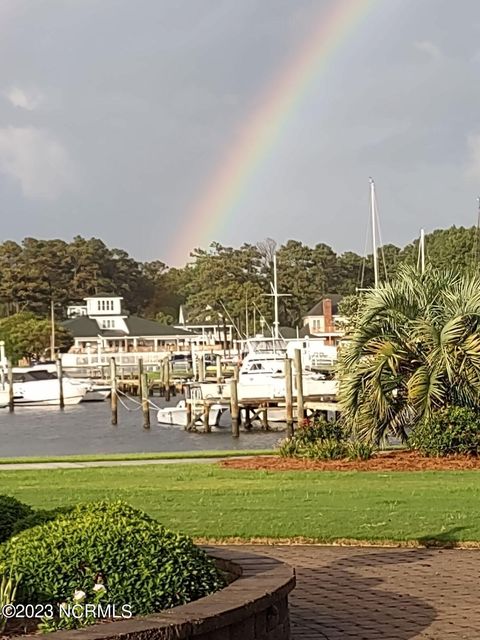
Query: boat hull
[[47, 392], [97, 395], [178, 417], [45, 402]]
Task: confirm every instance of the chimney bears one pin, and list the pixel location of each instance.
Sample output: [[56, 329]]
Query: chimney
[[327, 315]]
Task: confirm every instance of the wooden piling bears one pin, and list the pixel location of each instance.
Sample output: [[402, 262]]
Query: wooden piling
[[11, 404], [299, 385], [201, 368], [60, 383], [161, 379], [114, 392], [194, 366], [167, 379], [206, 415], [289, 396], [145, 401], [265, 418], [234, 409], [189, 417], [218, 362], [140, 373]]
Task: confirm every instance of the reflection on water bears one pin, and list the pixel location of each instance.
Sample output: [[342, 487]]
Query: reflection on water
[[86, 428]]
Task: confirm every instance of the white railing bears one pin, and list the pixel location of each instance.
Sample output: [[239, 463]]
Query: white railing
[[123, 359]]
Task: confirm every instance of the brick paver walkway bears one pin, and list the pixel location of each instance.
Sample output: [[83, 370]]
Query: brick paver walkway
[[389, 594]]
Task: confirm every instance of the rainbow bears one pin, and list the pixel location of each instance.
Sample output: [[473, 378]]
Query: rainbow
[[230, 180]]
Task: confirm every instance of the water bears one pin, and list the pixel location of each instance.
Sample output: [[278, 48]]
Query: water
[[86, 429]]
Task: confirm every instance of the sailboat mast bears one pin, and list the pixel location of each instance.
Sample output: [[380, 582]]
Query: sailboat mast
[[52, 330], [422, 251], [374, 232], [477, 237], [275, 295]]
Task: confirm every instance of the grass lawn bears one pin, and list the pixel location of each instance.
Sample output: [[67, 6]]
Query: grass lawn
[[172, 455], [206, 501]]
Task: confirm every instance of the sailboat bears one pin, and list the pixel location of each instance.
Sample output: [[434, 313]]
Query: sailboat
[[375, 232]]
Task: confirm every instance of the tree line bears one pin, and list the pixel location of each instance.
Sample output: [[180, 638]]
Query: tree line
[[218, 281]]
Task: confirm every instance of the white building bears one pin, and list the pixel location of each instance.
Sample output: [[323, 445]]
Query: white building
[[102, 329]]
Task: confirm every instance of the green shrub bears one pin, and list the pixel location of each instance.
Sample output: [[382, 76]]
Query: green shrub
[[453, 430], [358, 450], [140, 562], [322, 440], [289, 448], [317, 440], [8, 588], [328, 449], [311, 431], [39, 517], [11, 511]]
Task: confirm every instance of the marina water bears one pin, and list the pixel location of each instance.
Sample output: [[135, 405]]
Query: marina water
[[86, 429]]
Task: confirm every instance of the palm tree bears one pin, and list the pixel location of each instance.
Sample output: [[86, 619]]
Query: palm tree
[[416, 348]]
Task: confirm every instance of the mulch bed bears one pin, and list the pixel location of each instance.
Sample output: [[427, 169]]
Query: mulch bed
[[20, 627], [388, 461]]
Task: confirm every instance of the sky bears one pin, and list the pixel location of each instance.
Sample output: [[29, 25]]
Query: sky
[[116, 117]]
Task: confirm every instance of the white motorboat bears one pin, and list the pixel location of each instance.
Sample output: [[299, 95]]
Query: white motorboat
[[262, 373], [37, 386], [95, 392], [4, 398], [177, 416]]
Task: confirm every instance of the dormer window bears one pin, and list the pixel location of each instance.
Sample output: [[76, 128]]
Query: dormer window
[[103, 305]]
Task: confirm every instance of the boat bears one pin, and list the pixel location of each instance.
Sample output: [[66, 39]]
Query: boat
[[4, 398], [36, 386], [262, 374], [95, 392], [177, 416]]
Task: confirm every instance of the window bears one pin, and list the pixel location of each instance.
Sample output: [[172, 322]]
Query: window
[[99, 307]]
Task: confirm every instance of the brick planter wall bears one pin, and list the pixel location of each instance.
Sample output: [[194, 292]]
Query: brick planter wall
[[254, 606]]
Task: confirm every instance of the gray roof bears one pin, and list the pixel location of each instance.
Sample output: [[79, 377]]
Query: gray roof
[[85, 327], [103, 295], [287, 332], [82, 327], [317, 309], [142, 327], [304, 331]]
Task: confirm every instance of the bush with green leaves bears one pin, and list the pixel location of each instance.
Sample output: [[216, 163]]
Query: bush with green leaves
[[8, 589], [141, 563], [452, 430], [316, 439], [360, 450], [319, 439], [11, 511], [328, 449], [40, 516]]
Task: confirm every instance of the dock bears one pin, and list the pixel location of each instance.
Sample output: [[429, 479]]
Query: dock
[[257, 409]]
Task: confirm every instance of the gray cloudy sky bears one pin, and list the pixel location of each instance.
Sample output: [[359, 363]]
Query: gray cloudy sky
[[114, 114]]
